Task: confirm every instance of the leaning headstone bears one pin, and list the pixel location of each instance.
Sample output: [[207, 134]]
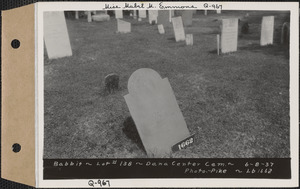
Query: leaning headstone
[[267, 30], [119, 13], [56, 35], [142, 14], [163, 18], [189, 39], [178, 29], [153, 16], [111, 82], [89, 16], [161, 29], [124, 27], [229, 35], [154, 109], [187, 17]]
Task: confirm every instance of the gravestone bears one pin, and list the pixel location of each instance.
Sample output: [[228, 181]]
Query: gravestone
[[163, 18], [101, 17], [89, 16], [142, 14], [267, 30], [119, 13], [229, 35], [161, 29], [153, 16], [171, 15], [56, 35], [189, 39], [154, 109], [178, 29], [111, 82], [134, 14], [285, 33], [218, 11], [187, 17], [205, 12], [76, 15], [124, 27]]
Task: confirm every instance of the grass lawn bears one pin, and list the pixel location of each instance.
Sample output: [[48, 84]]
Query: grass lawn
[[237, 103]]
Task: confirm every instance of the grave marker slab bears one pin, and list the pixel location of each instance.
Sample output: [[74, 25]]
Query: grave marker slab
[[155, 111], [124, 27], [142, 14], [163, 18], [218, 11], [229, 36], [189, 39], [119, 13], [178, 29], [153, 16], [267, 30], [89, 16], [56, 35], [76, 15], [187, 17], [161, 29], [171, 15]]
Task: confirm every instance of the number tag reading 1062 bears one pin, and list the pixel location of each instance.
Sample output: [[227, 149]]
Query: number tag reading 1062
[[184, 143]]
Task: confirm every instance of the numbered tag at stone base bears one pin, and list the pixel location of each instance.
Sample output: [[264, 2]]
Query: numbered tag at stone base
[[184, 143]]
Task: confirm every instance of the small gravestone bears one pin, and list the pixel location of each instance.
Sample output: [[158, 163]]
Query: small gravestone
[[229, 35], [163, 18], [101, 17], [267, 30], [154, 109], [189, 39], [124, 27], [218, 11], [142, 14], [153, 16], [119, 14], [187, 17], [245, 28], [134, 14], [205, 12], [178, 29], [76, 15], [161, 29], [89, 16], [285, 33], [111, 82], [56, 35]]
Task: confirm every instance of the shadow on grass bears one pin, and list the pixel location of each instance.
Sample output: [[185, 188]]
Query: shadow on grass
[[275, 50]]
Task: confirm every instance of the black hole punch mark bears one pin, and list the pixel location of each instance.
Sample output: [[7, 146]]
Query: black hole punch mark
[[16, 147], [15, 43]]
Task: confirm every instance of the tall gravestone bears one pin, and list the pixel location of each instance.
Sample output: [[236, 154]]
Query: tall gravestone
[[267, 30], [56, 35], [154, 109], [229, 35], [76, 15], [163, 18], [187, 17], [89, 16], [123, 26], [178, 29], [119, 13], [142, 14], [153, 16]]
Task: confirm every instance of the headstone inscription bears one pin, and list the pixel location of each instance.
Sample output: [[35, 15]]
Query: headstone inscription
[[189, 39], [178, 29], [123, 27], [155, 111], [267, 30], [229, 35], [163, 18], [119, 13], [161, 29], [142, 14], [187, 17], [153, 16], [56, 35]]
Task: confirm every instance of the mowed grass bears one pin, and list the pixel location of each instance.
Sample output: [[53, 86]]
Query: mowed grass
[[237, 104]]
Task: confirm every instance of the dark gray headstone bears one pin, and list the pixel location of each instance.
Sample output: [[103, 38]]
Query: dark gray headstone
[[111, 82], [163, 18], [187, 17]]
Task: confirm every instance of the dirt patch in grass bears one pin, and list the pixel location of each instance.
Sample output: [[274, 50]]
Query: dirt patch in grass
[[237, 104]]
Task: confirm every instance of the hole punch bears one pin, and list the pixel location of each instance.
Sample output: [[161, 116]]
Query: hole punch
[[16, 147], [15, 43]]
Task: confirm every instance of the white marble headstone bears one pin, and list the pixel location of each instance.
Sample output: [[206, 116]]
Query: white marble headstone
[[161, 29], [154, 109], [123, 26], [178, 29], [229, 35], [267, 30], [56, 35], [153, 16], [119, 13], [142, 14], [189, 39]]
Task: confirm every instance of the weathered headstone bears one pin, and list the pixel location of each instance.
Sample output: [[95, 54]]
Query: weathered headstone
[[178, 29], [161, 29], [142, 14], [56, 35], [163, 18], [285, 33], [134, 14], [267, 30], [187, 17], [229, 35], [153, 16], [119, 13], [124, 27], [218, 11], [101, 17], [76, 15], [205, 12], [154, 109], [89, 16], [189, 39], [111, 82]]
